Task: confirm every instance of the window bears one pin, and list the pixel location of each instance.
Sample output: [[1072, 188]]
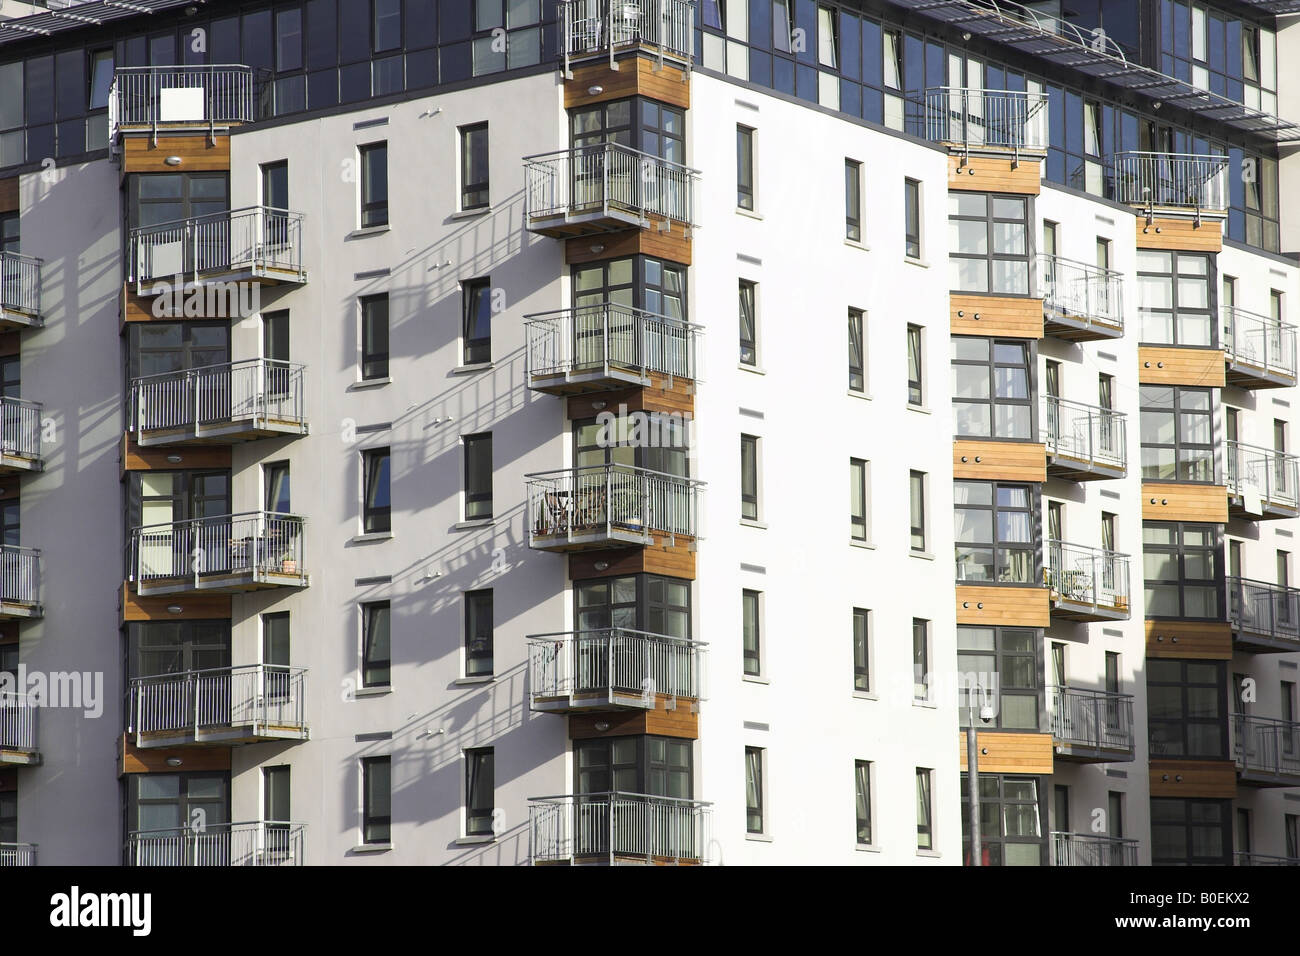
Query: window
[[1283, 560], [1291, 824], [387, 32], [992, 393], [1005, 660], [989, 243], [275, 479], [377, 511], [748, 323], [376, 646], [1187, 708], [857, 352], [1115, 814], [924, 809], [275, 656], [744, 167], [1190, 832], [476, 327], [1011, 831], [101, 79], [916, 500], [374, 185], [474, 166], [915, 393], [751, 618], [1175, 301], [862, 795], [781, 25], [646, 764], [1180, 564], [1058, 665], [912, 218], [858, 497], [995, 526], [155, 198], [478, 476], [374, 337], [522, 41], [1287, 715], [749, 477], [480, 791], [754, 760], [861, 650], [853, 200], [377, 799], [920, 659], [478, 633], [1177, 425]]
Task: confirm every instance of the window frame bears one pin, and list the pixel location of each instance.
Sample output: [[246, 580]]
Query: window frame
[[1176, 311], [998, 547], [751, 618], [862, 671], [1207, 451], [748, 301], [1180, 550], [991, 220], [995, 370], [476, 497], [863, 771], [376, 671], [756, 808], [857, 328], [1188, 824], [479, 609], [925, 827], [372, 212], [746, 168], [913, 229], [376, 364], [922, 659], [852, 200], [1003, 665], [860, 485], [915, 349], [382, 834], [376, 518], [1177, 725], [480, 764], [474, 193], [476, 310], [750, 469], [993, 843]]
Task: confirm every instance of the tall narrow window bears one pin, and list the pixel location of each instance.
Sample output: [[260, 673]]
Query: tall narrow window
[[754, 789], [912, 218], [916, 499], [377, 799], [388, 25], [478, 633], [474, 166], [862, 788], [915, 367], [744, 167], [376, 644], [275, 655], [748, 323], [480, 791], [858, 499], [857, 352], [749, 477], [476, 328], [827, 37], [478, 476], [751, 623], [924, 809], [1177, 430], [781, 32], [377, 510], [275, 800], [853, 200], [1291, 826], [374, 337], [920, 659], [374, 185], [861, 649]]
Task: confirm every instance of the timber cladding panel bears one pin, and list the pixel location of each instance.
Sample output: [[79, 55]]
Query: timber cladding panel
[[1010, 753], [1176, 501], [680, 399], [135, 458], [1209, 779], [196, 152], [1005, 606], [192, 759], [1183, 235], [672, 562], [634, 77], [999, 460], [1010, 316], [673, 245], [193, 607], [681, 722], [9, 194], [1180, 366], [1189, 640], [993, 174]]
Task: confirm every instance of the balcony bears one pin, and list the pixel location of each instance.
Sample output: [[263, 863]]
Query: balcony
[[1087, 584], [17, 854], [1266, 751], [1259, 352], [603, 506], [20, 583], [20, 292], [18, 731], [1262, 483], [608, 346], [20, 436], [229, 553], [1084, 442], [1089, 849], [609, 828], [223, 844], [1264, 617], [229, 403], [219, 250], [1172, 184], [223, 705], [211, 97], [605, 188], [1081, 303], [982, 121], [613, 668], [1091, 725], [1240, 858], [593, 29]]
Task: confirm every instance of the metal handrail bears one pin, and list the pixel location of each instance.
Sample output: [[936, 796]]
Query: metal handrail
[[614, 660], [260, 389], [20, 283], [18, 854], [253, 542], [617, 825], [228, 94], [1259, 342], [1083, 292], [1266, 745], [605, 178], [1253, 470], [982, 119], [1085, 433], [1095, 719], [20, 428], [604, 498], [596, 27], [20, 575], [1246, 858], [258, 843], [1092, 849], [17, 722], [248, 237], [607, 335], [257, 695], [1089, 576], [1177, 180], [1263, 609]]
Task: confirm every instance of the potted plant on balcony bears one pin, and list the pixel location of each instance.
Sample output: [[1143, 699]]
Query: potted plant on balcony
[[288, 565]]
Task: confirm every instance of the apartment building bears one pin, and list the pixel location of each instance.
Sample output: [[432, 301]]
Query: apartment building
[[426, 429]]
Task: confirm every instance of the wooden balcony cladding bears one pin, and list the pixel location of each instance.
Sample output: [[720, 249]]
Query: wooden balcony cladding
[[198, 154], [1158, 365], [1210, 779], [134, 458], [9, 194], [672, 244], [679, 399], [1183, 235], [192, 759], [1010, 753], [1008, 606], [673, 562], [999, 460], [635, 76], [1176, 501], [1009, 316], [1189, 640], [679, 722], [193, 607], [994, 174]]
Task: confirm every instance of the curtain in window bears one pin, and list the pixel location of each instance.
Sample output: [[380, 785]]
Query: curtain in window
[[754, 789], [923, 810], [747, 324], [863, 781], [914, 364], [855, 350]]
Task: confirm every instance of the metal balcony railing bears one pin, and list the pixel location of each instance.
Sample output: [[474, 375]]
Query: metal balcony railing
[[982, 119], [253, 696], [1080, 292], [1090, 849], [1085, 434], [604, 827], [1262, 476], [1259, 344], [17, 854], [1266, 746], [1174, 180], [224, 844], [212, 95], [1244, 858], [1262, 610], [596, 338], [1089, 577], [255, 390], [605, 179], [1092, 719], [252, 542], [17, 723], [20, 428], [614, 662], [257, 238], [20, 284], [604, 499], [20, 575], [605, 27]]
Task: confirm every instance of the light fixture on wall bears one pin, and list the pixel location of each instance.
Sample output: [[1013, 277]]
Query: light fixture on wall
[[174, 609], [175, 459], [601, 565], [172, 160], [595, 90], [602, 726], [599, 405], [174, 761], [597, 248]]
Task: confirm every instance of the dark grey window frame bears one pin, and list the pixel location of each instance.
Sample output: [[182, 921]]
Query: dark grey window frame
[[377, 807], [1180, 550], [862, 650], [991, 221], [1175, 742], [852, 200], [374, 209], [1005, 663], [994, 806], [478, 486], [857, 350], [480, 784], [479, 632], [749, 468], [378, 483], [476, 314], [748, 322], [862, 800], [916, 509], [745, 167], [912, 218], [751, 616], [915, 366], [1000, 547], [860, 524], [1182, 449], [376, 648], [475, 179], [755, 811], [375, 352], [1184, 807], [995, 369], [1177, 311]]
